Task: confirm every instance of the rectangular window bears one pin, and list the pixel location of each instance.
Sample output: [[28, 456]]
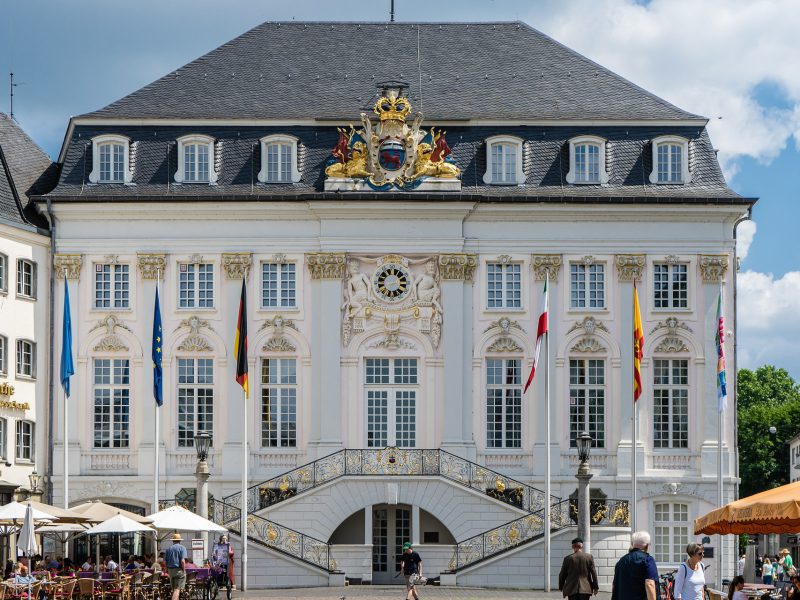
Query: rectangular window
[[671, 524], [391, 401], [587, 285], [25, 441], [504, 285], [279, 403], [3, 439], [3, 354], [195, 399], [112, 388], [670, 403], [278, 285], [196, 286], [587, 396], [670, 163], [26, 358], [504, 163], [587, 163], [279, 162], [195, 162], [670, 285], [3, 273], [112, 163], [26, 278], [504, 403], [111, 286]]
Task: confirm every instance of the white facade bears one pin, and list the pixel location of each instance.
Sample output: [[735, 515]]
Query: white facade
[[676, 483], [24, 328]]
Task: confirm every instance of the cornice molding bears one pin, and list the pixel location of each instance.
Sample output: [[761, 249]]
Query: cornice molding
[[326, 265], [152, 266], [546, 266], [68, 265]]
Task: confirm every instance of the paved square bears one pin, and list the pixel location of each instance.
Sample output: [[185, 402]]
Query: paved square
[[394, 592]]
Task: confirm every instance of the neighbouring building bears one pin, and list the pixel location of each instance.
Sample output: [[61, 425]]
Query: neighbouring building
[[25, 170], [395, 196]]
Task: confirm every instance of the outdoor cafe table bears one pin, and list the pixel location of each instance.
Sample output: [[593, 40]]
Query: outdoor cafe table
[[756, 590]]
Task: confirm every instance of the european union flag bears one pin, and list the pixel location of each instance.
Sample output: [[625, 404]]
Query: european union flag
[[158, 343], [67, 366]]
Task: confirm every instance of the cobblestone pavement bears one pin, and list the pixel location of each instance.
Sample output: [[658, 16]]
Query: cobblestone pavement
[[394, 592]]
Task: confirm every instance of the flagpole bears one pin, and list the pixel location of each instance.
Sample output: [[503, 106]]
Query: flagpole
[[547, 491], [720, 424], [157, 428], [635, 416], [244, 502], [66, 416]]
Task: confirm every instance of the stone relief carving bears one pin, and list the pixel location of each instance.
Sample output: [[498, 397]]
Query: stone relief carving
[[394, 292], [589, 326], [236, 264], [68, 265], [277, 341], [195, 259], [629, 266], [713, 267], [392, 341], [588, 345], [588, 260], [110, 342], [151, 265], [546, 266], [672, 259], [671, 344], [104, 489], [278, 322], [504, 259], [504, 344], [195, 341], [279, 258], [326, 265], [111, 259], [457, 266], [504, 324], [672, 324], [278, 344]]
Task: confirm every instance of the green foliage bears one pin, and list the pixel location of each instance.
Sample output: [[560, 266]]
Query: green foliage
[[767, 397]]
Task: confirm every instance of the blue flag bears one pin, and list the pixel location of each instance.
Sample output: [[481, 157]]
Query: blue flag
[[67, 366], [158, 343]]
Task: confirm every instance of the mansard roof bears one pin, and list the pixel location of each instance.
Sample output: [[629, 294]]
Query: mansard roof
[[456, 71], [25, 171]]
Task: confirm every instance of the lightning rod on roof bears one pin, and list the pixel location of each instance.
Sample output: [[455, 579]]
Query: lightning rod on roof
[[391, 11]]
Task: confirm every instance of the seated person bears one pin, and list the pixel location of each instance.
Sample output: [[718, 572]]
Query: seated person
[[793, 593], [54, 564], [87, 565], [22, 575], [130, 564], [67, 570]]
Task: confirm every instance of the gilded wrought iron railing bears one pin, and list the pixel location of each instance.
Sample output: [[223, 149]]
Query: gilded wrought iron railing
[[392, 461], [519, 531], [273, 535]]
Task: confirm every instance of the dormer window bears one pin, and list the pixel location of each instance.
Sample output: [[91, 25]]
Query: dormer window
[[670, 160], [110, 160], [504, 161], [587, 160], [196, 160], [279, 159]]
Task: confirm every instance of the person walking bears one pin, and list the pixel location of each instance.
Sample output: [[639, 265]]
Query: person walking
[[635, 574], [175, 558], [740, 564], [766, 571], [578, 576], [411, 567], [785, 561], [690, 580]]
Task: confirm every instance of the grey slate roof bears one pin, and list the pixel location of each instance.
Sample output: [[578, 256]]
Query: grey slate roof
[[546, 163], [296, 70], [25, 171]]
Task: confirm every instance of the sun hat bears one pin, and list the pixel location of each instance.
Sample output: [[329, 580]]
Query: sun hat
[[176, 537]]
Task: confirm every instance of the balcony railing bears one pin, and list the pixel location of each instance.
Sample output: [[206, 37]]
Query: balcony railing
[[392, 461]]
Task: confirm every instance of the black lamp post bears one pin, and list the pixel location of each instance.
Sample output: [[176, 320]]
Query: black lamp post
[[584, 445], [202, 442]]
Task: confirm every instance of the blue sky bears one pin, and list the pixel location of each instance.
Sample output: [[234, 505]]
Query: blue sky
[[732, 61]]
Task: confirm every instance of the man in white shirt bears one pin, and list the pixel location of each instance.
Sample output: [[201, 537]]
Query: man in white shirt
[[111, 565], [740, 565]]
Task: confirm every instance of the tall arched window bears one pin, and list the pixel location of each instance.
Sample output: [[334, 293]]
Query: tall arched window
[[196, 160], [504, 402], [587, 160], [391, 387], [279, 159], [587, 399]]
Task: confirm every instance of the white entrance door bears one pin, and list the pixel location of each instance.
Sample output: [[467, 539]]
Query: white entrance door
[[391, 528], [391, 401]]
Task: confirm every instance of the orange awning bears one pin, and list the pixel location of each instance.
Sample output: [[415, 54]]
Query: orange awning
[[773, 511]]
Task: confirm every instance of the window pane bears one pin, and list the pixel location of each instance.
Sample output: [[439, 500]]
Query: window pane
[[377, 418], [202, 162], [3, 273], [190, 162], [587, 400], [195, 399], [279, 402], [504, 403], [111, 403], [405, 412], [670, 403]]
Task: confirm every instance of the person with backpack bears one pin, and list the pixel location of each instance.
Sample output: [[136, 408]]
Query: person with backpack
[[690, 580]]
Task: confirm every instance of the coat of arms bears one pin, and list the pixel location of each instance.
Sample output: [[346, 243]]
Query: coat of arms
[[391, 153]]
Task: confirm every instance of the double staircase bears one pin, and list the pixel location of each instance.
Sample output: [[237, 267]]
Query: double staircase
[[403, 462]]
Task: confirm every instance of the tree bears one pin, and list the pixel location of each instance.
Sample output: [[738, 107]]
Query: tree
[[767, 397]]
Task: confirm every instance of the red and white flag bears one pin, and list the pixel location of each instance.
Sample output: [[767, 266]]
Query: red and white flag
[[541, 329]]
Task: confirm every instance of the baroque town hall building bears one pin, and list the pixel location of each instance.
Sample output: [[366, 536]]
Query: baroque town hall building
[[395, 196]]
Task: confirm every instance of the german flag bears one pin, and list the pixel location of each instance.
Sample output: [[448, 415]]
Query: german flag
[[638, 345], [240, 346]]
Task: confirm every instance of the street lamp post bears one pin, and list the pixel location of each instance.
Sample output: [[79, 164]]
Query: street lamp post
[[35, 482], [202, 442], [584, 444]]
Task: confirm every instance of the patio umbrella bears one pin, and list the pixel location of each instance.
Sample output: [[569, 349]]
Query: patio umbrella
[[118, 524], [774, 511], [16, 512], [177, 518], [97, 512], [26, 542]]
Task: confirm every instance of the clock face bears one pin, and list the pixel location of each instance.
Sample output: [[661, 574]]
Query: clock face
[[392, 282]]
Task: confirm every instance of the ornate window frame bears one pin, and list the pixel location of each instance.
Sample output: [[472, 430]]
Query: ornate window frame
[[111, 138], [683, 142], [114, 285], [187, 443], [588, 262], [280, 139], [197, 261], [518, 143], [504, 262], [280, 260], [588, 140], [197, 138]]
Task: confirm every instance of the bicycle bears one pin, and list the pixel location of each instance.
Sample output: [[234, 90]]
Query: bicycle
[[219, 577], [667, 584]]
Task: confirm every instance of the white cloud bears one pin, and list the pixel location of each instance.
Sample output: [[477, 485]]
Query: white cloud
[[769, 320], [706, 56], [744, 238]]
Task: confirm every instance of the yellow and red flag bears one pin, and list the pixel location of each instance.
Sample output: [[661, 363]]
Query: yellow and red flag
[[240, 345], [638, 345]]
